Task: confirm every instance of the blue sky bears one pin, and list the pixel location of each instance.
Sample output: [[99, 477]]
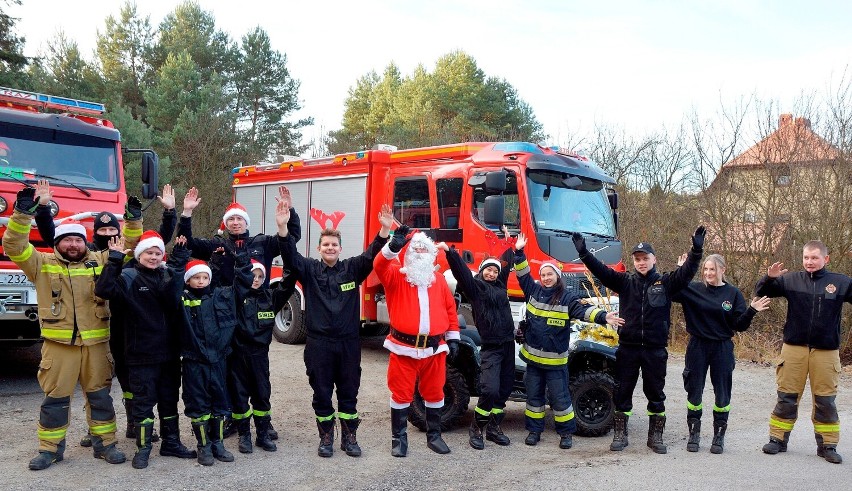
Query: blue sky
[[637, 65]]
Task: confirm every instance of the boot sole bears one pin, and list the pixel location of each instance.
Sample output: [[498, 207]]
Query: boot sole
[[178, 455]]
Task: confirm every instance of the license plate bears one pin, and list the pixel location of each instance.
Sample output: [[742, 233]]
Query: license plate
[[14, 279]]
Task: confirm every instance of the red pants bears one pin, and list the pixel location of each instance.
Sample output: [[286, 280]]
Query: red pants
[[404, 371]]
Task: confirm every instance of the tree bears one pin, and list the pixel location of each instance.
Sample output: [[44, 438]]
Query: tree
[[265, 95], [63, 70], [12, 59]]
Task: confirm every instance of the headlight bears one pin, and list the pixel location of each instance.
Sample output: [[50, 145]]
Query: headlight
[[3, 204]]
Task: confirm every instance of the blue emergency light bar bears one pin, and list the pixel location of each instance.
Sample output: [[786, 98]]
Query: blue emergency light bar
[[54, 102]]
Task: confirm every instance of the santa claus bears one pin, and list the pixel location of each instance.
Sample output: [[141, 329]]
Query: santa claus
[[424, 332]]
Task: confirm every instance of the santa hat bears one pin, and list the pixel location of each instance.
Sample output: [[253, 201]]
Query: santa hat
[[69, 228], [422, 241], [148, 240], [490, 262], [258, 265], [236, 209], [548, 264], [195, 267]]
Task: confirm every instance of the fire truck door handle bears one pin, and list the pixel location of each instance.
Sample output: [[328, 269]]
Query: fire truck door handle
[[467, 256]]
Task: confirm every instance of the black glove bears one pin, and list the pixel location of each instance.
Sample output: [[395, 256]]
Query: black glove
[[579, 243], [399, 239], [453, 344], [133, 209], [26, 201], [698, 238], [520, 332]]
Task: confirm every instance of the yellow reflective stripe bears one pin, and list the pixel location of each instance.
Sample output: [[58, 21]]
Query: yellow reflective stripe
[[547, 313], [780, 424], [24, 255], [85, 271], [200, 419], [725, 409], [19, 227], [102, 429], [533, 414], [148, 421], [656, 414], [56, 333], [132, 232], [261, 413], [497, 411], [542, 360], [127, 395], [53, 268], [693, 407], [347, 416], [482, 411], [242, 415], [191, 303], [522, 265], [94, 333], [51, 434], [563, 417], [325, 418], [827, 428]]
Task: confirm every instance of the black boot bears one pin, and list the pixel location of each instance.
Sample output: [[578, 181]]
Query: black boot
[[827, 451], [110, 452], [433, 431], [493, 433], [244, 430], [143, 445], [656, 425], [261, 425], [399, 432], [86, 441], [273, 435], [532, 439], [326, 434], [348, 437], [171, 445], [232, 427], [480, 421], [718, 444], [694, 425], [44, 458], [217, 445], [619, 432], [130, 432], [775, 445], [205, 453]]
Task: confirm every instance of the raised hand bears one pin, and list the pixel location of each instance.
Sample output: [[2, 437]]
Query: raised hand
[[190, 201], [505, 230], [613, 319], [760, 304], [681, 259], [282, 216], [399, 239], [180, 241], [579, 243], [117, 244], [386, 217], [698, 238], [25, 200], [521, 242], [776, 270], [43, 192], [443, 246], [133, 209], [168, 197], [284, 195]]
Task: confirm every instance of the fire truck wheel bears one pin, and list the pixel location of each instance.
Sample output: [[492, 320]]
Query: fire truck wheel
[[591, 394], [456, 400], [290, 321]]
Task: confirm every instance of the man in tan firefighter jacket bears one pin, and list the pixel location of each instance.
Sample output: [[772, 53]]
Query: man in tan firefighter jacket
[[74, 325]]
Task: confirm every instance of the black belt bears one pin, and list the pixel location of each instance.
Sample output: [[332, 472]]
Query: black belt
[[420, 341]]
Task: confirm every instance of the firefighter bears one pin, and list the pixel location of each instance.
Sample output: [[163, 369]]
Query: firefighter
[[424, 334], [493, 319], [75, 328], [331, 288], [550, 308], [714, 310], [106, 226], [645, 302], [810, 351], [208, 324], [248, 364], [149, 295]]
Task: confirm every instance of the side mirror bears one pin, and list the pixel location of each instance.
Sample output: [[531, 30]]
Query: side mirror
[[495, 182], [495, 210], [150, 175]]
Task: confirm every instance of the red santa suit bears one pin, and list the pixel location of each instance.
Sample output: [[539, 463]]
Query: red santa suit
[[422, 318]]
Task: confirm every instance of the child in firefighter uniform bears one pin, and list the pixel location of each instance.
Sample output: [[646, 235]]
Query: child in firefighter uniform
[[209, 320], [424, 329], [332, 302], [148, 294], [249, 363], [550, 308], [74, 325]]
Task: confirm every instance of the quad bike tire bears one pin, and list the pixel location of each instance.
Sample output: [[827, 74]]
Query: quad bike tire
[[594, 409]]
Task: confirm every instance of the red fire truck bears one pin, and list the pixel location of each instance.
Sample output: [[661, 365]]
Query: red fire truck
[[459, 194], [68, 143]]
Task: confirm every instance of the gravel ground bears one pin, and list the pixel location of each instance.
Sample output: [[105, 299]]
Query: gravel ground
[[296, 466]]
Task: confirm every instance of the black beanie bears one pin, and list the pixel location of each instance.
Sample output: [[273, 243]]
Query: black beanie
[[106, 219]]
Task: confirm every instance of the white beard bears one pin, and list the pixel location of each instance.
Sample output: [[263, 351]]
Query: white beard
[[419, 268]]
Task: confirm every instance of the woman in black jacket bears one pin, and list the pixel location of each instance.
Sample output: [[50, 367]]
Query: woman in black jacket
[[714, 311], [486, 291]]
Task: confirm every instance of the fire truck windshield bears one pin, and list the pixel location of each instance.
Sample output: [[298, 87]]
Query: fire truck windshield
[[562, 206], [72, 159]]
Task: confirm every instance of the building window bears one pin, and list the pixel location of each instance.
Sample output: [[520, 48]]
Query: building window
[[782, 176]]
